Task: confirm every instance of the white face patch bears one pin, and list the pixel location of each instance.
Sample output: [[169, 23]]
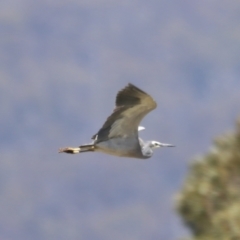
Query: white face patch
[[140, 128], [155, 144]]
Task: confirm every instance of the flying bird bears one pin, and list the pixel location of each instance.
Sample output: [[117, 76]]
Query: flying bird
[[119, 134]]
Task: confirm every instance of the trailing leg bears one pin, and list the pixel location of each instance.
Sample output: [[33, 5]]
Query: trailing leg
[[82, 148]]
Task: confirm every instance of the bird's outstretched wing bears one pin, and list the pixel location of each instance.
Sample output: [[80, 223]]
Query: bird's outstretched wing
[[132, 104]]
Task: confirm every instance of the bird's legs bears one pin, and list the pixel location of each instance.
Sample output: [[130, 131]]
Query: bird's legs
[[82, 148], [70, 150]]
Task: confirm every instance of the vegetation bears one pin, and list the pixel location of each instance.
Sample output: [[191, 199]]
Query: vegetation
[[210, 199]]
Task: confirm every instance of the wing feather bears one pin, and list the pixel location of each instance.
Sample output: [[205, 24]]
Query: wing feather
[[132, 104]]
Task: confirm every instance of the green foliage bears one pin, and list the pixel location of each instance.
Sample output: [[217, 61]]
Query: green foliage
[[209, 202]]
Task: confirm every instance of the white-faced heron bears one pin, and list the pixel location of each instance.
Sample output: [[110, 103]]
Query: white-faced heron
[[119, 134]]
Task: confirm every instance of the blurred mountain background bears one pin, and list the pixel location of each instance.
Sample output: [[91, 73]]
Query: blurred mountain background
[[61, 65]]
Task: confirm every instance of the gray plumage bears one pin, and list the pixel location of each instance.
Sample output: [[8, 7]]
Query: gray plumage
[[119, 134]]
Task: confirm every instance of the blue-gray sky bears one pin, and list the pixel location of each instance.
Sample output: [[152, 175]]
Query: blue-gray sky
[[61, 65]]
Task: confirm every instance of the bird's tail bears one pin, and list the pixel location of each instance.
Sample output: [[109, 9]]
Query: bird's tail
[[82, 148]]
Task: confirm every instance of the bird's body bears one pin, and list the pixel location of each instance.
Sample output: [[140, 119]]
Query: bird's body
[[119, 134], [122, 147]]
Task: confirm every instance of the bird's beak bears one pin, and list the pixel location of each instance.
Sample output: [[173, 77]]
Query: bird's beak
[[165, 145]]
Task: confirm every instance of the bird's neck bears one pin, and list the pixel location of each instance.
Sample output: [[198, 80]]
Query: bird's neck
[[147, 150]]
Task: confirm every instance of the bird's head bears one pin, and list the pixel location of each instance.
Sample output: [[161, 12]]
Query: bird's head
[[155, 144]]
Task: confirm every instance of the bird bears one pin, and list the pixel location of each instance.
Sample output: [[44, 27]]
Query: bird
[[119, 134]]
